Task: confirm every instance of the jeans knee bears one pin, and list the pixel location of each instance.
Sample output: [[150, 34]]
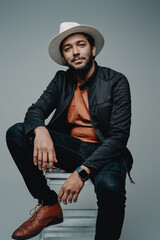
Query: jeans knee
[[110, 190], [15, 131]]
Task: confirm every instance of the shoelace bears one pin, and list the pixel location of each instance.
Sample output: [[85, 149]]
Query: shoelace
[[33, 212]]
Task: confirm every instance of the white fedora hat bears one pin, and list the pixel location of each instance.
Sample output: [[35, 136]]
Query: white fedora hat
[[68, 28]]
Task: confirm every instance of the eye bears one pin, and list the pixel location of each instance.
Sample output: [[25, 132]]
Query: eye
[[67, 49], [82, 44]]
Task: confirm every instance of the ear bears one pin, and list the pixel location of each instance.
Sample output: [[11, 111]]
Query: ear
[[94, 51]]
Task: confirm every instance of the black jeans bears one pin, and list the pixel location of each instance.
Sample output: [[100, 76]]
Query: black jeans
[[109, 182]]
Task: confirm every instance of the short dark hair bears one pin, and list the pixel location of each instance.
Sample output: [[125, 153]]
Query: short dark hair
[[88, 37]]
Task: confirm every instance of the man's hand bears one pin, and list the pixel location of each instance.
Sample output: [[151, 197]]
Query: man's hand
[[71, 188], [43, 149]]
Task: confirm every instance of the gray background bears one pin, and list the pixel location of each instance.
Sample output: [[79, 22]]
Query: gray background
[[131, 31]]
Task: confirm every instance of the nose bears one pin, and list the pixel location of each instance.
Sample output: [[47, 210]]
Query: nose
[[75, 51]]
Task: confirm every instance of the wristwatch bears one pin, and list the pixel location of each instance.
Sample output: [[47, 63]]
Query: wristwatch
[[82, 174]]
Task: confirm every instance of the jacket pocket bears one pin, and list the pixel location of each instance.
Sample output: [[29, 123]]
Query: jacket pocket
[[101, 114]]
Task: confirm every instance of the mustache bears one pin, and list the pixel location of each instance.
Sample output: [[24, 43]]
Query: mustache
[[77, 58]]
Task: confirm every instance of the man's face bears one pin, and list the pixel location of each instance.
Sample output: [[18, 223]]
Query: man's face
[[77, 53]]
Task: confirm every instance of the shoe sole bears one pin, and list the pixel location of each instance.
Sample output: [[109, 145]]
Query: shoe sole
[[60, 220]]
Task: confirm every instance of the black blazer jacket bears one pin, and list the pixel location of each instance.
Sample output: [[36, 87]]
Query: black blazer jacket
[[109, 107]]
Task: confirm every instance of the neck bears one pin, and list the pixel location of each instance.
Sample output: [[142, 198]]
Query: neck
[[82, 79]]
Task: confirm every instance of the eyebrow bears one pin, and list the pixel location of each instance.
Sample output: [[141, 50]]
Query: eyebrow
[[68, 44]]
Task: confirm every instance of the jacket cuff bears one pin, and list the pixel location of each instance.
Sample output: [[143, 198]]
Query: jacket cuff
[[29, 131]]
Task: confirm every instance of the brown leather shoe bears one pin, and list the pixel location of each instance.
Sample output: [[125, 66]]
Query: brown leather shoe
[[42, 217]]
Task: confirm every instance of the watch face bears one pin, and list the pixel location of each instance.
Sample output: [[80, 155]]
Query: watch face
[[84, 175]]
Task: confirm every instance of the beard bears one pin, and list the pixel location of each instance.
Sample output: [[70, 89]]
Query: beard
[[82, 71]]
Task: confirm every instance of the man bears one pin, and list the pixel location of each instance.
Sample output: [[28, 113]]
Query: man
[[87, 135]]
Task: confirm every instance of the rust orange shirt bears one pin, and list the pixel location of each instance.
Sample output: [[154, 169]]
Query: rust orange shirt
[[78, 115]]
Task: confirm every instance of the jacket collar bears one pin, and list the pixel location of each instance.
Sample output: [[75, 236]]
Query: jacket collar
[[90, 79]]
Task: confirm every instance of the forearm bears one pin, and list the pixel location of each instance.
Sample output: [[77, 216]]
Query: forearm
[[40, 110], [104, 154]]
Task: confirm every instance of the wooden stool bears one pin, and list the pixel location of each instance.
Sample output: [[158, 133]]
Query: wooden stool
[[79, 218]]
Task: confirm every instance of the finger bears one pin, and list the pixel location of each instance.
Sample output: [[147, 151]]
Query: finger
[[35, 154], [70, 197], [40, 160], [50, 156], [64, 198], [50, 159], [75, 197], [50, 165], [60, 194], [44, 163], [54, 157]]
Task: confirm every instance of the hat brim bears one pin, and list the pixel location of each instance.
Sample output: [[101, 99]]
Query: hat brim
[[54, 50]]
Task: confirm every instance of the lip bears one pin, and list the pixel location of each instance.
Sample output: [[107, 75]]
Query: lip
[[77, 60]]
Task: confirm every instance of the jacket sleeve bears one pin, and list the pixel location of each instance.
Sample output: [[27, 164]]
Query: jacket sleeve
[[39, 111], [119, 127]]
